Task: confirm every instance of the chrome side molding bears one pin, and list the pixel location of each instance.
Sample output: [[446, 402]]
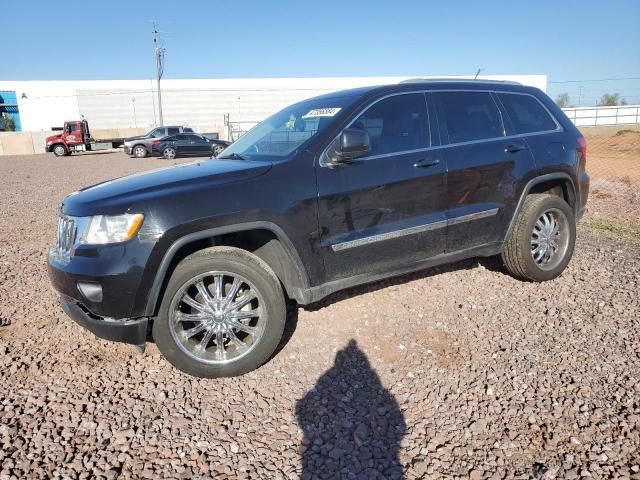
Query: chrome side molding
[[337, 247]]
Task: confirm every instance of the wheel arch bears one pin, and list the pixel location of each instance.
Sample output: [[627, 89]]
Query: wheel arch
[[266, 240], [146, 147], [558, 183]]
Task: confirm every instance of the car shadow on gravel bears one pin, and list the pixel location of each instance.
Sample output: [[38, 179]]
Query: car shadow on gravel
[[352, 425], [493, 264]]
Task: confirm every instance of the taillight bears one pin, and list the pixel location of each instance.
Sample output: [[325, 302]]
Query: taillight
[[155, 143], [582, 148]]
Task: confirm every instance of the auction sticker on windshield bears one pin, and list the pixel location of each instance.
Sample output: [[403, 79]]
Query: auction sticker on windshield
[[322, 112]]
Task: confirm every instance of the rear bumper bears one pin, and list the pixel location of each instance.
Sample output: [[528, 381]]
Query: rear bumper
[[584, 194], [125, 331]]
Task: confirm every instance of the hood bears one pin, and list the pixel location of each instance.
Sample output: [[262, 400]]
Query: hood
[[118, 196], [54, 137], [137, 137]]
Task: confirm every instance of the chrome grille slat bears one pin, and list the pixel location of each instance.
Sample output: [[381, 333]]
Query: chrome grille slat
[[66, 235]]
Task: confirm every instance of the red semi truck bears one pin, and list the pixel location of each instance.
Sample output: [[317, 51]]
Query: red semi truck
[[76, 137]]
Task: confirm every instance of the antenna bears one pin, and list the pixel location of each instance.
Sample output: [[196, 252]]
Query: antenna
[[477, 73], [159, 51]]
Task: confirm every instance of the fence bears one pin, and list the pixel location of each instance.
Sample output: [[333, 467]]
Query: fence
[[613, 164], [235, 129], [598, 116]]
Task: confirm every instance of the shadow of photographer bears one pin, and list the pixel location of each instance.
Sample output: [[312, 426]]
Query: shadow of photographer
[[352, 425]]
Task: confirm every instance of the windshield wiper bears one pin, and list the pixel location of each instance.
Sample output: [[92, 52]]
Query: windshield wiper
[[232, 156]]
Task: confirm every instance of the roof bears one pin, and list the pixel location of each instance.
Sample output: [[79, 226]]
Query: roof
[[460, 80]]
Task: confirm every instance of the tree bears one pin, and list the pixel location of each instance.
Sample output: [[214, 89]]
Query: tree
[[563, 100], [611, 100], [8, 124]]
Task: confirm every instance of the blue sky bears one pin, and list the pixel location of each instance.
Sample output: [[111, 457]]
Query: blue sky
[[567, 40]]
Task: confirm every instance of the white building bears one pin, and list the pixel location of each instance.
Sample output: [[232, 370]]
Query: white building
[[201, 104]]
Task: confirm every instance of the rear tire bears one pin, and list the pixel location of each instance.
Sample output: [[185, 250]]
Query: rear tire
[[542, 240], [236, 331]]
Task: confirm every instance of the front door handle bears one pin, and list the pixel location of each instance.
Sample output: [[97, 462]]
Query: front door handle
[[426, 162], [514, 148]]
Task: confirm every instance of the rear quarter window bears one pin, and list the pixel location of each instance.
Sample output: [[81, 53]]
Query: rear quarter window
[[526, 113]]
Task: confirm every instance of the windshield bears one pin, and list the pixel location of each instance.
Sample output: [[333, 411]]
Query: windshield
[[283, 133]]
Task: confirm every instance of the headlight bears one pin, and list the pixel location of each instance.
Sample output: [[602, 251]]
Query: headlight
[[103, 229]]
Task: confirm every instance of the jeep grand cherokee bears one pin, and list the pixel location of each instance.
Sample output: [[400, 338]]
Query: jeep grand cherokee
[[331, 192]]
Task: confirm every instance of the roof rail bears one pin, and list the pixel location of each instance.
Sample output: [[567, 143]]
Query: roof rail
[[458, 79]]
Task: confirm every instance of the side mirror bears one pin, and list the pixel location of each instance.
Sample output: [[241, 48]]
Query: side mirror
[[354, 143]]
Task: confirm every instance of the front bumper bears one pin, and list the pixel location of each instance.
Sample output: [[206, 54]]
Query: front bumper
[[128, 149], [133, 331], [116, 270]]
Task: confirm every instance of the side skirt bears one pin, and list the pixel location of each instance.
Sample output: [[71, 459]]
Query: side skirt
[[317, 293]]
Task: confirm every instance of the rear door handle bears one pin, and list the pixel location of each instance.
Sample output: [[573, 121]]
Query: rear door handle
[[426, 163], [514, 148]]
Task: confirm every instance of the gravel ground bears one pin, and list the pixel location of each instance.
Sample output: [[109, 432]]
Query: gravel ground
[[457, 372]]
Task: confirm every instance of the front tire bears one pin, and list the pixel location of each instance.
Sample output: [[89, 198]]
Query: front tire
[[222, 314], [217, 150], [169, 153], [139, 151], [60, 150], [542, 240]]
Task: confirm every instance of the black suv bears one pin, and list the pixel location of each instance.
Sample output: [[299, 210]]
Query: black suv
[[331, 192]]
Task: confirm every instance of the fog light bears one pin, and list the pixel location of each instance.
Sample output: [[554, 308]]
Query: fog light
[[92, 291]]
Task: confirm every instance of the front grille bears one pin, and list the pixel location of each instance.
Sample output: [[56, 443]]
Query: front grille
[[66, 235]]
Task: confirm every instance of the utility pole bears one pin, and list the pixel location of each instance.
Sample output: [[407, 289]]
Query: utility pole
[[135, 120], [580, 96], [159, 69]]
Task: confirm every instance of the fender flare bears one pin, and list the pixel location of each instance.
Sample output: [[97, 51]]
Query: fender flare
[[532, 183], [159, 279]]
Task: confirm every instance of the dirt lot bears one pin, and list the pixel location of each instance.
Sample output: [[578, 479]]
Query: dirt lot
[[457, 372], [613, 162]]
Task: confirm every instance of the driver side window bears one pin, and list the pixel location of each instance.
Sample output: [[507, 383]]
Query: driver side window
[[396, 124]]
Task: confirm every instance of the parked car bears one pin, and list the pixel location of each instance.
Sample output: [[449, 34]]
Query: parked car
[[329, 193], [140, 146], [183, 144]]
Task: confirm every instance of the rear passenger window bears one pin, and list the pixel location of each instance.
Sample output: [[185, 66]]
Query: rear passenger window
[[174, 130], [468, 116], [396, 124], [526, 113], [184, 137]]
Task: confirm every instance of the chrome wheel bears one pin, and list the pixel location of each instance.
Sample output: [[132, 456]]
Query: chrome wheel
[[59, 150], [139, 152], [169, 153], [217, 317], [217, 150], [550, 239]]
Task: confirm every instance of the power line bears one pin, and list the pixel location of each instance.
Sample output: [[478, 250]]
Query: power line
[[596, 80]]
